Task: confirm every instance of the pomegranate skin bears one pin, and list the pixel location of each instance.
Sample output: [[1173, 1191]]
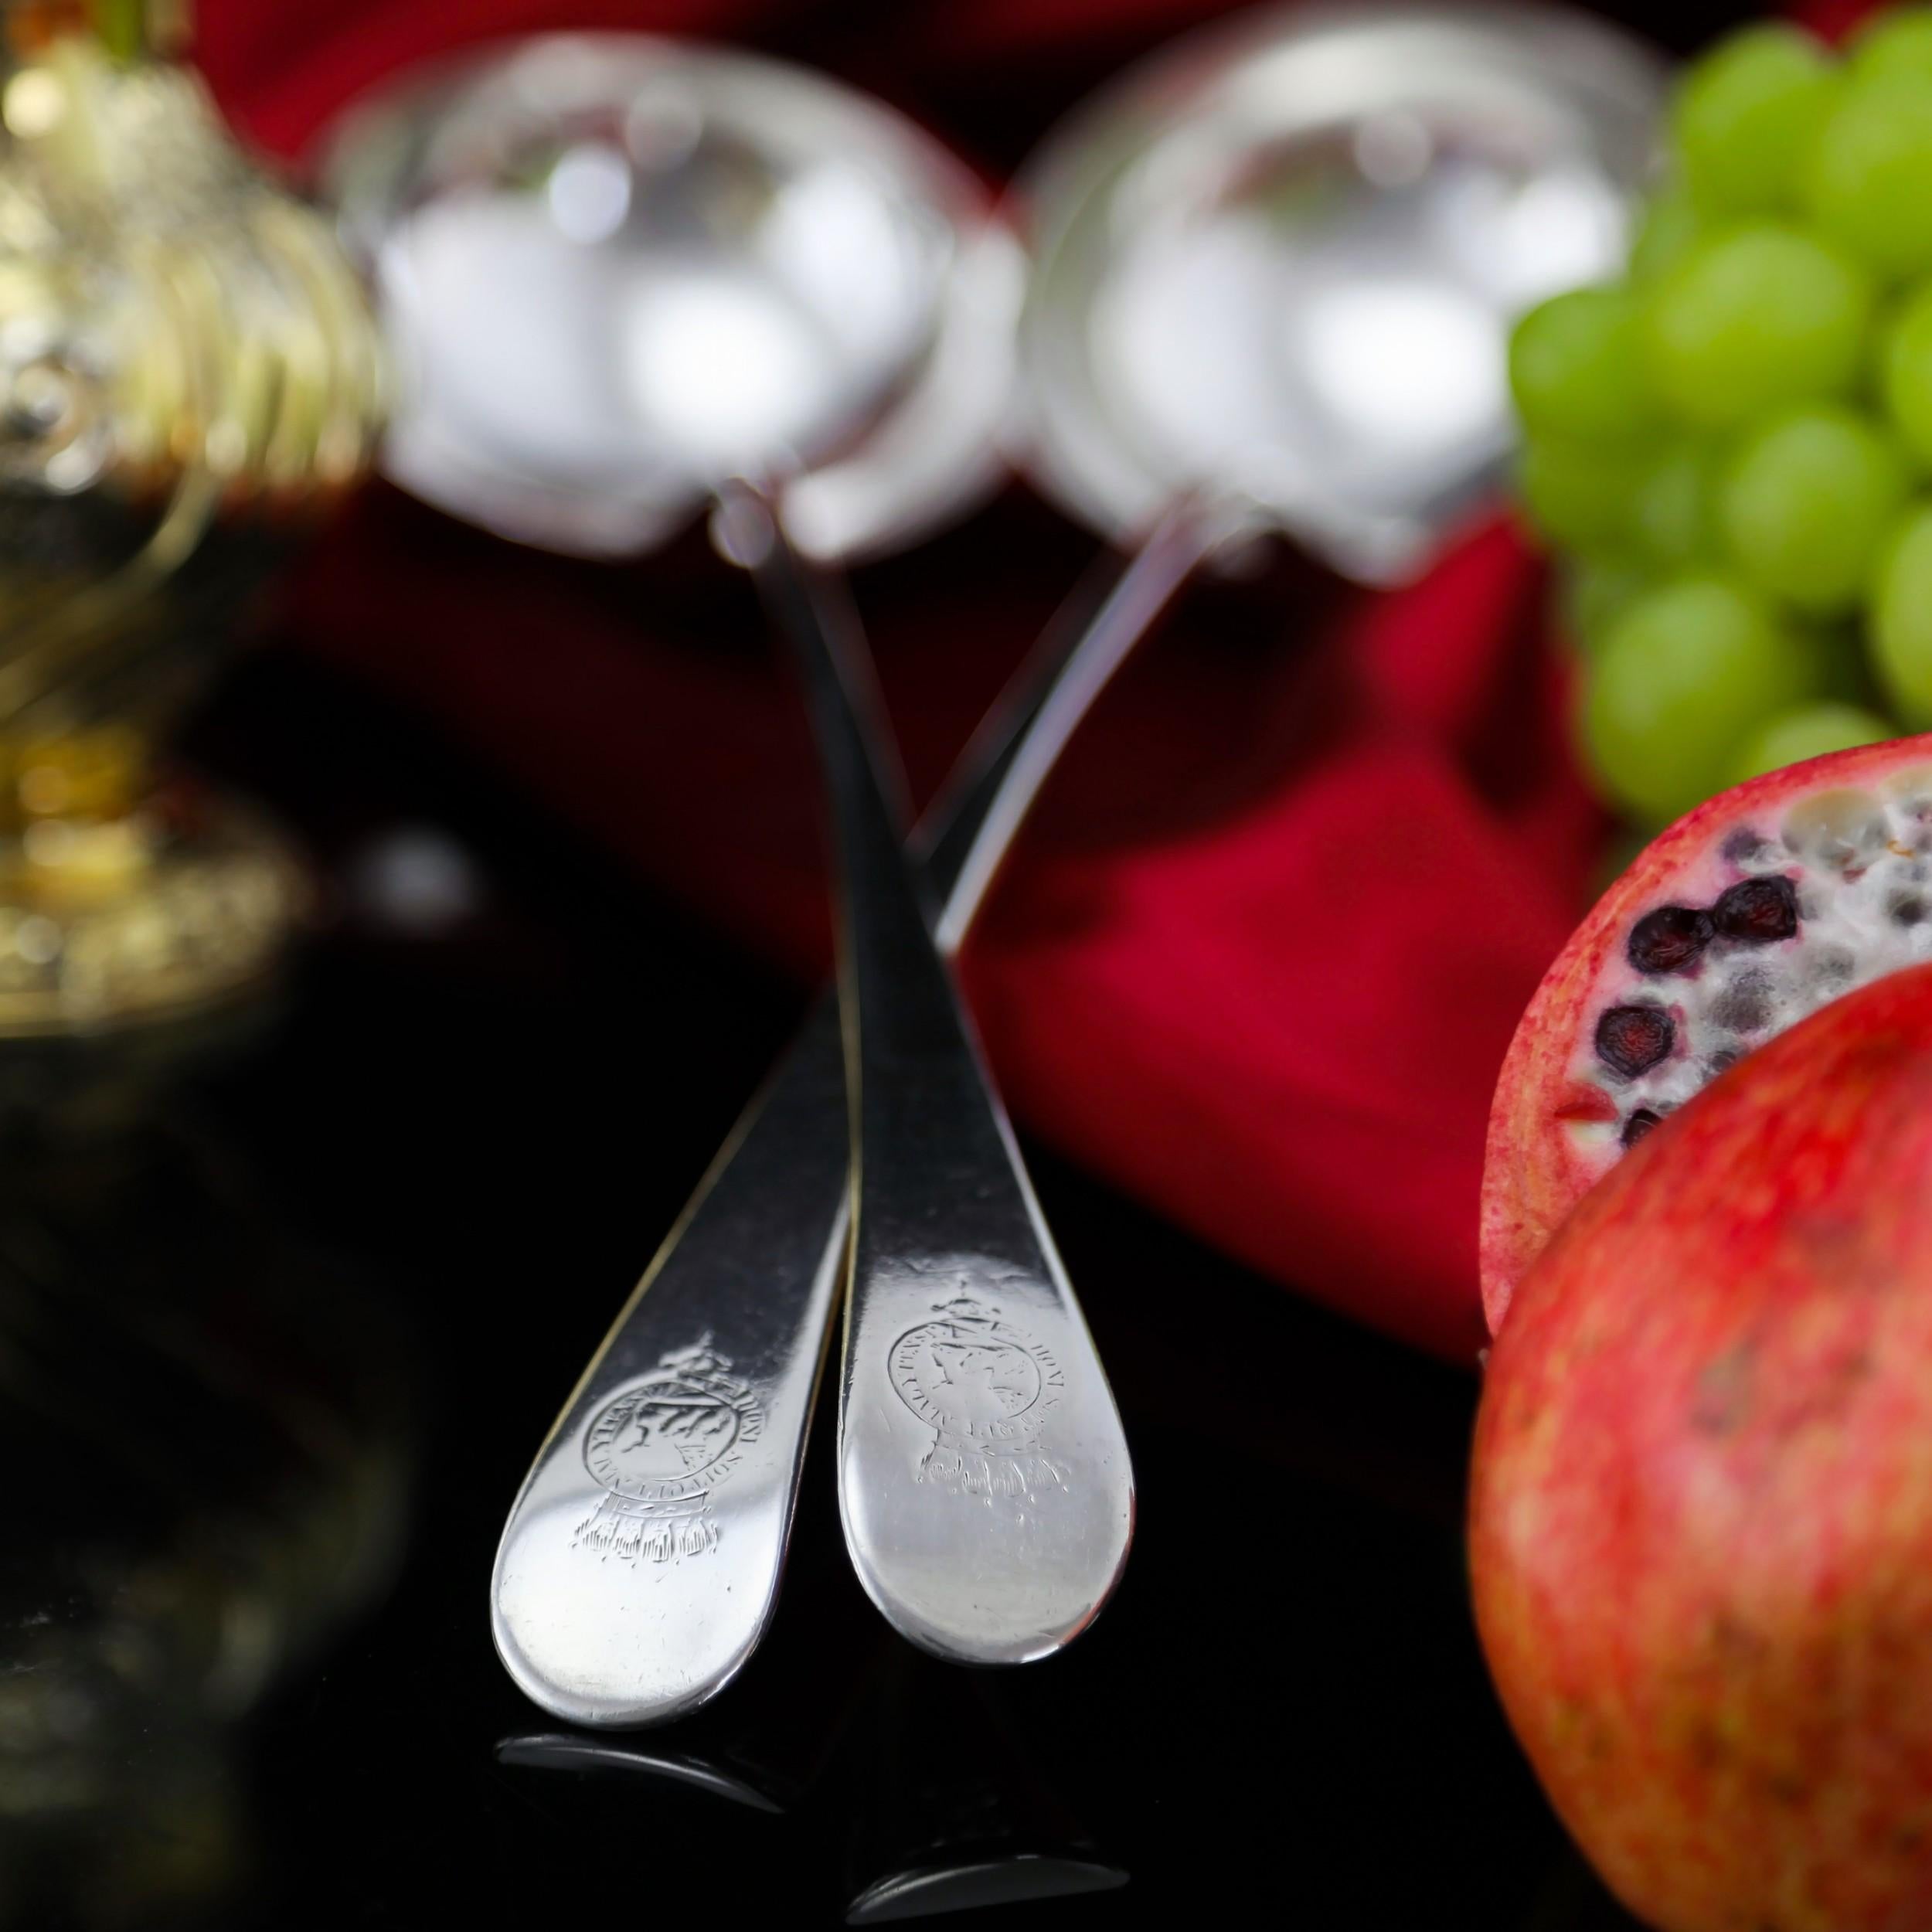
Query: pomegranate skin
[[1533, 1172], [1701, 1505]]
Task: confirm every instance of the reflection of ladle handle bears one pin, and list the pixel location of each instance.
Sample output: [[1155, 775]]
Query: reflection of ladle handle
[[968, 1371]]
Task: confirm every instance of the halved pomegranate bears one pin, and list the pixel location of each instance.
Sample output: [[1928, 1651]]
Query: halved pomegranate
[[1764, 903], [1700, 1521]]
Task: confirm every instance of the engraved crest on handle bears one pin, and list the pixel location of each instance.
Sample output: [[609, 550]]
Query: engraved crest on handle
[[660, 1447], [985, 1388]]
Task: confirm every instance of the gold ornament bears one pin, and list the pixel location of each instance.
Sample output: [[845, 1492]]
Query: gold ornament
[[189, 376]]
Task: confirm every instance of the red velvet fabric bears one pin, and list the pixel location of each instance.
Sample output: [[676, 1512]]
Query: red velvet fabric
[[1260, 954]]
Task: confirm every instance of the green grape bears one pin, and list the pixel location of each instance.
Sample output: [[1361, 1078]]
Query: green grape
[[1805, 503], [1895, 43], [1670, 228], [1809, 731], [1901, 620], [1686, 674], [1576, 496], [1672, 520], [1594, 597], [1576, 367], [1745, 115], [1868, 180], [1905, 373], [1754, 319]]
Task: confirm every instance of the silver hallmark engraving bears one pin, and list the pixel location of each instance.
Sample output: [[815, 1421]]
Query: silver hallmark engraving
[[660, 1448], [985, 1388]]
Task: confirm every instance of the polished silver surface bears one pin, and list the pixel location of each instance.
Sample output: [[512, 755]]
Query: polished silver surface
[[984, 1479], [615, 269], [1280, 262], [640, 1563], [632, 1630]]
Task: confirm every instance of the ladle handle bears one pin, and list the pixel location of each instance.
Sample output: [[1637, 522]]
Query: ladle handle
[[594, 1624], [963, 839], [983, 1477]]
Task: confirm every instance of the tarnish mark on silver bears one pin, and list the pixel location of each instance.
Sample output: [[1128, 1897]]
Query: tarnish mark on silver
[[985, 1388], [660, 1447]]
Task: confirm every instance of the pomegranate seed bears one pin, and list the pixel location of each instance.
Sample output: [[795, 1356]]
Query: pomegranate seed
[[1758, 911], [1632, 1039], [1670, 939]]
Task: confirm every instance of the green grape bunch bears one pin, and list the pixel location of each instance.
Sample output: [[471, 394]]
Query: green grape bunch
[[1731, 447]]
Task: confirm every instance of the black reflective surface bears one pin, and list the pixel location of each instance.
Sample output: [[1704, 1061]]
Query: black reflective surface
[[281, 1325]]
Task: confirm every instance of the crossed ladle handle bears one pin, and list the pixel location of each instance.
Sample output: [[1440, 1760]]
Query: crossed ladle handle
[[984, 1480], [639, 1565]]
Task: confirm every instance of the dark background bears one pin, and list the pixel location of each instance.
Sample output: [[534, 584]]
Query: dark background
[[436, 1169]]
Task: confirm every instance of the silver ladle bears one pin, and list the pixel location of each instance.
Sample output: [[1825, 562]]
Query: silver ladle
[[781, 224]]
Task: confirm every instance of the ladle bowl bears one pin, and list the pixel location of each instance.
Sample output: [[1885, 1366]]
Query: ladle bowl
[[618, 270], [1278, 263]]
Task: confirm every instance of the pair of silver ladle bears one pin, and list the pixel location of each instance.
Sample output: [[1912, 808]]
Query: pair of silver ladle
[[627, 278]]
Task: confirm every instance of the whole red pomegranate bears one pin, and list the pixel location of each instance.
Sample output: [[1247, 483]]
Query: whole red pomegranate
[[1701, 1517]]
